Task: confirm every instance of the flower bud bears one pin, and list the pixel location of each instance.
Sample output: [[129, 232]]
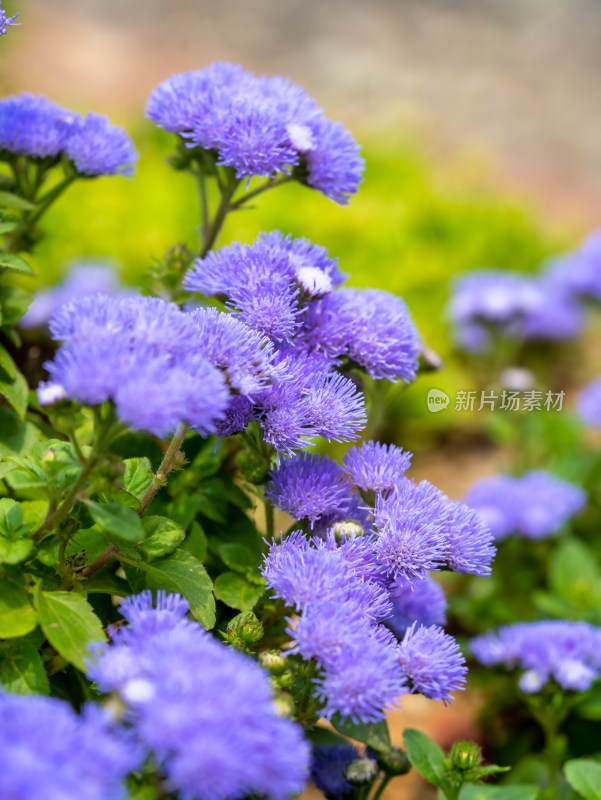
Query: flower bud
[[465, 755], [361, 770], [273, 661], [392, 762], [244, 631]]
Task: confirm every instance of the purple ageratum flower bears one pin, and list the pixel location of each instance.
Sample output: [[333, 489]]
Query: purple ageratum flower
[[578, 274], [364, 681], [97, 147], [266, 281], [259, 126], [589, 404], [369, 327], [336, 408], [47, 751], [83, 278], [246, 357], [422, 601], [535, 505], [469, 542], [328, 766], [307, 486], [238, 415], [411, 524], [142, 353], [203, 710], [556, 317], [420, 529], [488, 300], [334, 165], [566, 652], [376, 467], [7, 22], [34, 126], [432, 662]]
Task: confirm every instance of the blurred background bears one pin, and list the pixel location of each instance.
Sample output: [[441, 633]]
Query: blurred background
[[480, 124]]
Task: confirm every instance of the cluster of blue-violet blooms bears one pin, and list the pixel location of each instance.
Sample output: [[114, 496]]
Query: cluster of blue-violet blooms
[[274, 353], [536, 505], [547, 306]]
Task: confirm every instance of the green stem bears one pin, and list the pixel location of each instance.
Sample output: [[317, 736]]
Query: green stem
[[383, 784], [106, 432], [165, 466], [204, 202], [269, 520], [100, 561], [223, 208], [308, 691], [15, 242], [270, 184]]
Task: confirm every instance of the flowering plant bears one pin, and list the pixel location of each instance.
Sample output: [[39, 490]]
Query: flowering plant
[[188, 645]]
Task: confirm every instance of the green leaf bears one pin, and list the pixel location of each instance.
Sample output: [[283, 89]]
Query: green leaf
[[15, 262], [70, 625], [181, 572], [14, 302], [483, 792], [17, 615], [236, 592], [11, 515], [106, 583], [7, 364], [22, 669], [584, 775], [425, 755], [8, 226], [14, 201], [212, 502], [237, 557], [162, 537], [119, 523], [15, 437], [574, 573], [374, 734], [196, 541], [184, 508], [15, 544], [15, 390], [137, 477]]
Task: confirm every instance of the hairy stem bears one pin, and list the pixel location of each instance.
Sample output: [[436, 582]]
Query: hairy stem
[[55, 518], [100, 561], [269, 520], [227, 192], [165, 466]]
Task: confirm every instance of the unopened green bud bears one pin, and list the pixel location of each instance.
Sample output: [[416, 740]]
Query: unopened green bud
[[465, 755], [244, 631], [392, 762], [361, 770], [284, 704], [273, 661]]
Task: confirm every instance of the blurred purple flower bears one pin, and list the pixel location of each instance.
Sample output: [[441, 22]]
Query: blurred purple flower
[[97, 147]]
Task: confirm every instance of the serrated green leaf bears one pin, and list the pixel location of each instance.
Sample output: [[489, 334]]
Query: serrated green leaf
[[181, 572], [236, 592], [162, 537], [374, 734], [17, 615], [14, 201], [584, 775], [483, 792], [425, 755], [120, 524], [15, 544], [237, 557], [14, 262], [22, 669], [11, 515], [70, 625], [15, 390], [137, 476]]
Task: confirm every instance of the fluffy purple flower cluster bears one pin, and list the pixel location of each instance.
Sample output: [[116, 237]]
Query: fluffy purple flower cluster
[[36, 127], [535, 505], [589, 404], [420, 600], [418, 527], [284, 288], [579, 273], [488, 304], [259, 126], [567, 652], [342, 592], [160, 365], [47, 751], [203, 710], [6, 21]]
